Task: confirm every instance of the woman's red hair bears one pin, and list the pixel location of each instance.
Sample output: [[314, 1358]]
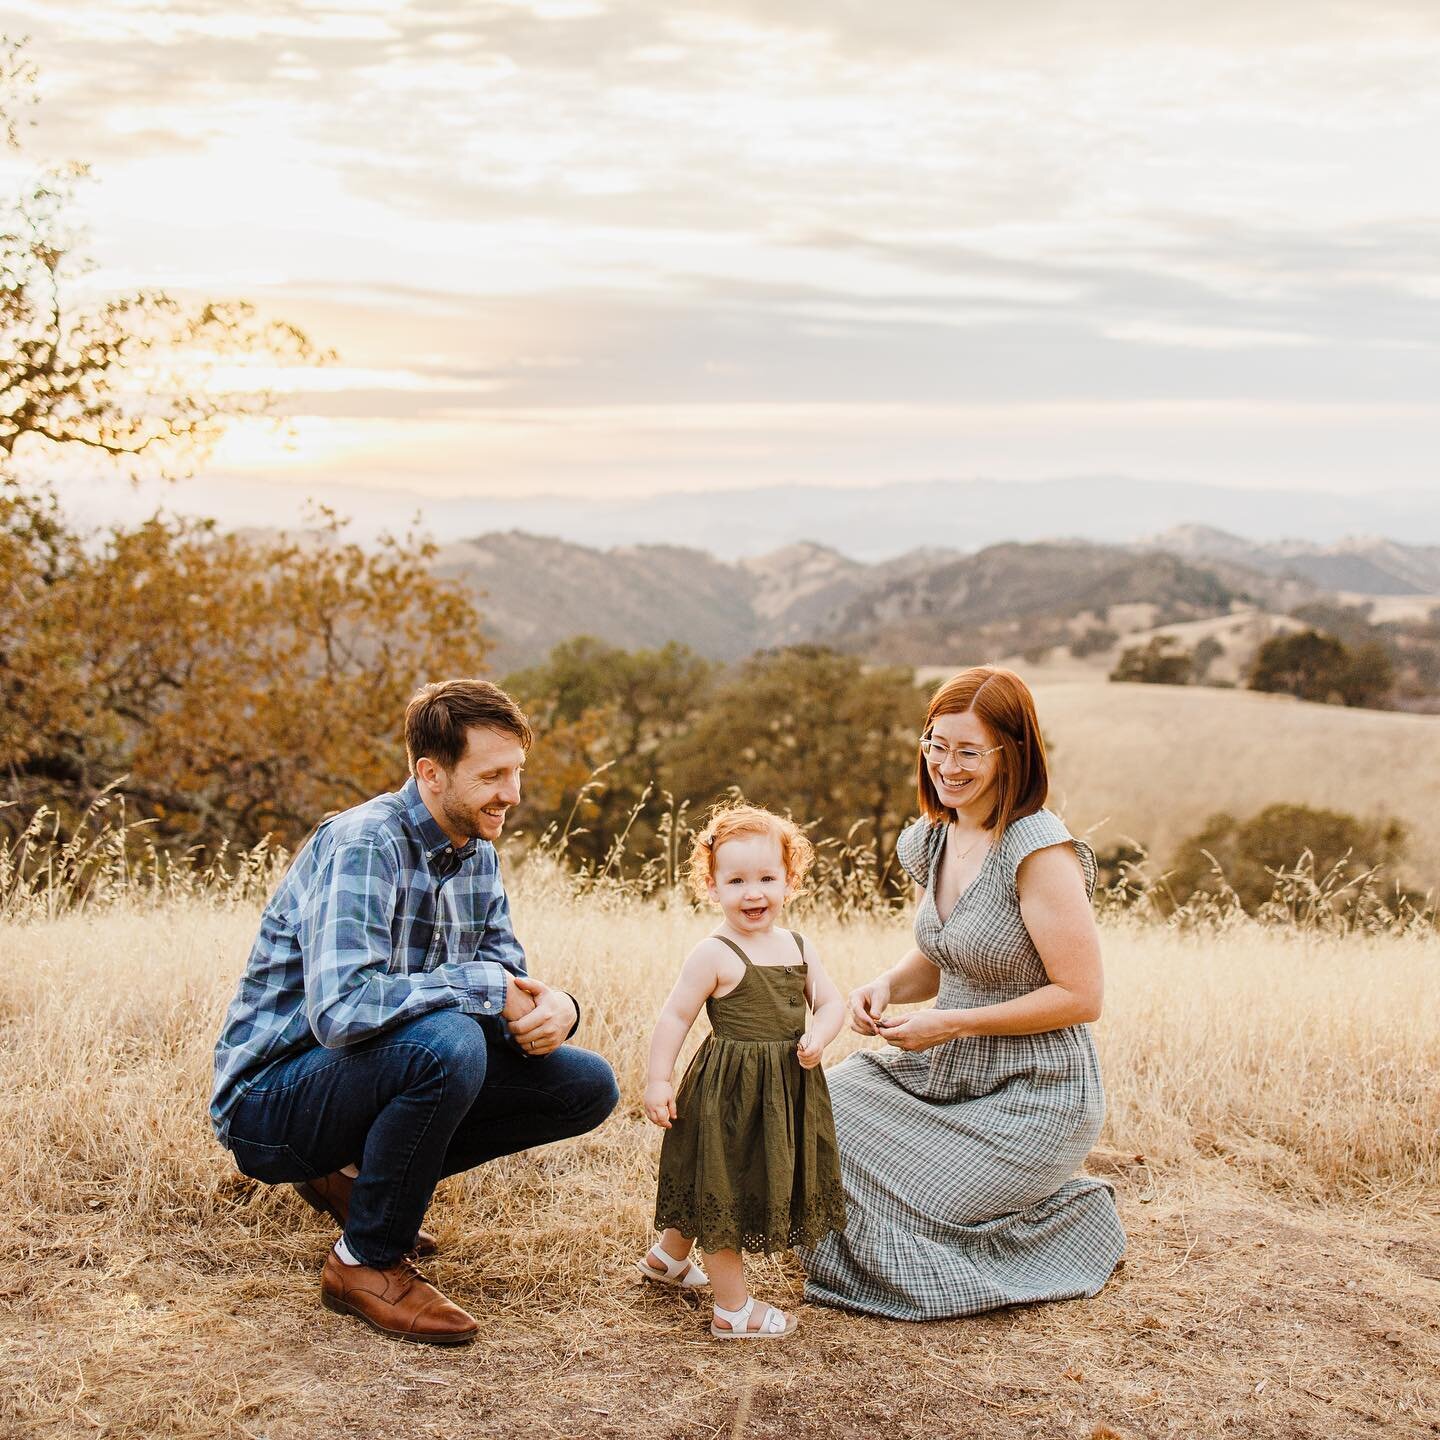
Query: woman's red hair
[[1003, 701]]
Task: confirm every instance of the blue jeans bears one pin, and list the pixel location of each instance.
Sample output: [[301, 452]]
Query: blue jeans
[[438, 1095]]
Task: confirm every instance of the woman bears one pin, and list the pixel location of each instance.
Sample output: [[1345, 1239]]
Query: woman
[[959, 1143]]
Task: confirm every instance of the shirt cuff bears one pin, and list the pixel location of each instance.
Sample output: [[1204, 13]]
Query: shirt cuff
[[485, 987]]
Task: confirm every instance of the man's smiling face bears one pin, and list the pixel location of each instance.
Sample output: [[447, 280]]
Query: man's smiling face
[[472, 799]]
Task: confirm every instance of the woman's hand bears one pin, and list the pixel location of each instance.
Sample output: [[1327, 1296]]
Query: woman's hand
[[867, 1004], [920, 1030], [659, 1102]]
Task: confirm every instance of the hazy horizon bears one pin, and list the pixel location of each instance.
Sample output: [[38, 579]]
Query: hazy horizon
[[865, 522]]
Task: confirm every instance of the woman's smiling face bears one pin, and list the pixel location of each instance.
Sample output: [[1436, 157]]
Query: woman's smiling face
[[965, 738]]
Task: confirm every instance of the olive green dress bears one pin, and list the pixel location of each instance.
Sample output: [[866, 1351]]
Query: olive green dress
[[750, 1162]]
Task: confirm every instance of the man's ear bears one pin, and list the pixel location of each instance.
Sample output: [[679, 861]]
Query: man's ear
[[428, 773]]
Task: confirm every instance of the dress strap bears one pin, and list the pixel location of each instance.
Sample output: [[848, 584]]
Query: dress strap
[[726, 941], [799, 939]]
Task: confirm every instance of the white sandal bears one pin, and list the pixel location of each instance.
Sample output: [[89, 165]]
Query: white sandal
[[775, 1326], [683, 1274]]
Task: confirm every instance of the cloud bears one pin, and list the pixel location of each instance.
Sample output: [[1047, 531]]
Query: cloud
[[519, 210]]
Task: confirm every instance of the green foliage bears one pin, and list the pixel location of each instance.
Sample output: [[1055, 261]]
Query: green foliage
[[604, 719], [1163, 661], [1204, 655], [1410, 645], [1319, 667], [1243, 858], [635, 744], [811, 732]]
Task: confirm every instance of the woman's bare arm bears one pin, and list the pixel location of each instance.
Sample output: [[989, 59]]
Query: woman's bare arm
[[1057, 913]]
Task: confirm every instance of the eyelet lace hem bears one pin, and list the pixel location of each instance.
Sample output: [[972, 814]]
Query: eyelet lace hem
[[715, 1224]]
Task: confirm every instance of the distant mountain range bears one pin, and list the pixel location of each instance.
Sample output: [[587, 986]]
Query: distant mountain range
[[926, 606], [878, 522], [1363, 565]]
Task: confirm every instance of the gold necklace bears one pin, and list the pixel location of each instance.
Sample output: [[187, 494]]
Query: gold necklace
[[960, 858]]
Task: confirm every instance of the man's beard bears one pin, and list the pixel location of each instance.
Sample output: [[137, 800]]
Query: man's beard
[[462, 819]]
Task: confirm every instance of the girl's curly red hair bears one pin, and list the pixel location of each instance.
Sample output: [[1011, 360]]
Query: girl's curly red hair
[[730, 822]]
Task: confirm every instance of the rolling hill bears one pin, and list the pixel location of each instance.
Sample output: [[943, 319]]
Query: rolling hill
[[533, 591], [1152, 762]]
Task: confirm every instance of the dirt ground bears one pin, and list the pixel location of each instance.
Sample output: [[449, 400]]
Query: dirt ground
[[1233, 1315]]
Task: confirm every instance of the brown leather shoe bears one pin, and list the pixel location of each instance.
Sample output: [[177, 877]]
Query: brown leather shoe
[[330, 1195], [398, 1301]]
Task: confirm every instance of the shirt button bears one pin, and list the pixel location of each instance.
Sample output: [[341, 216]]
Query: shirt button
[[489, 1004]]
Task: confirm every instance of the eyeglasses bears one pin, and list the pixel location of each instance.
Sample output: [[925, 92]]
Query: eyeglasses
[[937, 752]]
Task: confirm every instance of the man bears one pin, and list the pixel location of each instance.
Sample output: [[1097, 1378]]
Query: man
[[385, 1032]]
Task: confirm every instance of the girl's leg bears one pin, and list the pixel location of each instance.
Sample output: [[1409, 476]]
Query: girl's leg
[[727, 1280], [670, 1262], [674, 1244]]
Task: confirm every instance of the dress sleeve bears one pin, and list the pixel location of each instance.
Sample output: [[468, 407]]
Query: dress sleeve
[[1039, 831], [913, 850]]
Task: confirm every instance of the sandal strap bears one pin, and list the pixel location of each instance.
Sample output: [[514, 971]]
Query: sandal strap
[[672, 1266], [737, 1319], [679, 1270]]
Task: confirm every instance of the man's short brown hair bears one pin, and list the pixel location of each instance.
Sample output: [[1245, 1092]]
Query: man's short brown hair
[[439, 717]]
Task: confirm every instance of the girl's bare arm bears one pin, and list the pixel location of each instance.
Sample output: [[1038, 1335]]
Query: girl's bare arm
[[827, 1010], [696, 982]]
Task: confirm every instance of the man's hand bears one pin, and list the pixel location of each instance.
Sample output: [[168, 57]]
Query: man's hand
[[518, 1002], [548, 1021]]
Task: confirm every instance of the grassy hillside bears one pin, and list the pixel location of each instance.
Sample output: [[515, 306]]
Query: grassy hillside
[[533, 591], [1015, 597], [1153, 761], [1272, 1136]]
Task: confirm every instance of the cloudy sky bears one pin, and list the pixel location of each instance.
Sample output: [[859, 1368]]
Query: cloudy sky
[[602, 247]]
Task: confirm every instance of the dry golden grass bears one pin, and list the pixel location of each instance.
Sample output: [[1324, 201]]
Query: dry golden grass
[[1152, 762], [1274, 1137]]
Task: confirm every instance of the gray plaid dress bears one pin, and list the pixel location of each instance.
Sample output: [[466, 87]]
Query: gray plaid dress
[[959, 1161]]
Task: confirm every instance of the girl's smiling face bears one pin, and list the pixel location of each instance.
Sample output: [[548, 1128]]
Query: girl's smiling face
[[749, 882], [965, 738]]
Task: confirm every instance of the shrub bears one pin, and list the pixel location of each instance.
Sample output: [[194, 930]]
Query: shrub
[[1162, 662], [1092, 641], [1314, 666], [1245, 858], [1205, 654]]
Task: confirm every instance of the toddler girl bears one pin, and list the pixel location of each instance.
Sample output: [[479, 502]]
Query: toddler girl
[[748, 1161]]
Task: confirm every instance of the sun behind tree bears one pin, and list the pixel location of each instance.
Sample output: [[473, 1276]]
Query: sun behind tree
[[231, 687]]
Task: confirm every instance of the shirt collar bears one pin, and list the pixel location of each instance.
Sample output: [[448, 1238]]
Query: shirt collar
[[432, 837]]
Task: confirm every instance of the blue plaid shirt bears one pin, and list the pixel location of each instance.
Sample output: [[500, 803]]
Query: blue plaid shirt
[[378, 920]]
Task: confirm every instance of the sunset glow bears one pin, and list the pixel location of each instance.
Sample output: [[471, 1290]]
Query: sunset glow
[[572, 246]]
